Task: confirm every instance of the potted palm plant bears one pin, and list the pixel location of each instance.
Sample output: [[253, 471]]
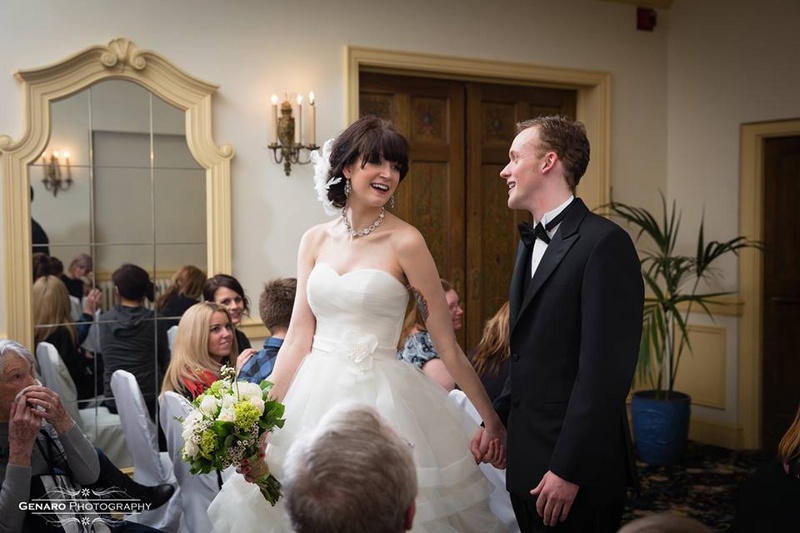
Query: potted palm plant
[[673, 291]]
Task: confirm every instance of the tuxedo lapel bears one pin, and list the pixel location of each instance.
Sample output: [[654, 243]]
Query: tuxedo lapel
[[516, 292], [566, 236]]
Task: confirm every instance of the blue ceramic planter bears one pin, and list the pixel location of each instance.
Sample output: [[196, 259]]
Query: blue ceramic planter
[[660, 426]]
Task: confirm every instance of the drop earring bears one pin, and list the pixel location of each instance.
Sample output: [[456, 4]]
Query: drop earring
[[347, 188], [392, 202]]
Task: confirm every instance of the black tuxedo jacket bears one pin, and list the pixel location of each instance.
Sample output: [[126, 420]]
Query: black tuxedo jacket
[[575, 336]]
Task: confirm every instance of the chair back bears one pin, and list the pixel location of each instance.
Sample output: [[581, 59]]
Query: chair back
[[102, 427], [55, 377], [197, 491]]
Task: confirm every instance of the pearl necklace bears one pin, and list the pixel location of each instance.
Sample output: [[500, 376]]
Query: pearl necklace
[[366, 231]]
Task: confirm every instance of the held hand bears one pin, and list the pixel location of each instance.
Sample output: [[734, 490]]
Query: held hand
[[244, 357], [53, 410], [555, 497], [245, 468], [475, 445], [23, 427]]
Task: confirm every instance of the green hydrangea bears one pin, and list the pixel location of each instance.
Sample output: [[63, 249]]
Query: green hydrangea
[[245, 414], [208, 443]]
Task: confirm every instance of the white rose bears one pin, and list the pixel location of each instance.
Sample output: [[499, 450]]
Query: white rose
[[252, 393], [227, 413], [191, 448], [210, 406]]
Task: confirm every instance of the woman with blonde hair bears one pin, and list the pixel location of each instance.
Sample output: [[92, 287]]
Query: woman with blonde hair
[[205, 341], [52, 319], [490, 356]]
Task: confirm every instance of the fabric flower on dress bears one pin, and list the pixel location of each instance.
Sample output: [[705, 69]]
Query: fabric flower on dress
[[359, 349], [322, 167]]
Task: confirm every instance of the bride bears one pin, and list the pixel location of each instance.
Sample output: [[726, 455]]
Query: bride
[[354, 276]]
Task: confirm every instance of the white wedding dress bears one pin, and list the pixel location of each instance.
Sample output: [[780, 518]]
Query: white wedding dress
[[359, 319]]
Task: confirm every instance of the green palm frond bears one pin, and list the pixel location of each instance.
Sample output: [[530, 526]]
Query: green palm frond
[[672, 282]]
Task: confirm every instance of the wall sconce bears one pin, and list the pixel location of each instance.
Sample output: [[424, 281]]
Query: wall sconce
[[287, 142], [57, 176]]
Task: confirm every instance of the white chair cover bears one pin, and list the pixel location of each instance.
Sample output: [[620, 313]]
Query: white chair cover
[[171, 332], [499, 501], [102, 427], [150, 467], [196, 490]]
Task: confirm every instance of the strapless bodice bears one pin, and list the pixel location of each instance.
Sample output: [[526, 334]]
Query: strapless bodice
[[362, 306]]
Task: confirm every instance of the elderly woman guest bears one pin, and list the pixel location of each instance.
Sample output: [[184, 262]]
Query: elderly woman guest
[[204, 343], [37, 434], [76, 275], [129, 339]]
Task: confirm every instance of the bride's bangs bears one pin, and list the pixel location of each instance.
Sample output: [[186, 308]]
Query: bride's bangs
[[388, 143]]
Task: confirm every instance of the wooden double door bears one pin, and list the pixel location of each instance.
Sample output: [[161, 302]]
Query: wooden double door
[[459, 133]]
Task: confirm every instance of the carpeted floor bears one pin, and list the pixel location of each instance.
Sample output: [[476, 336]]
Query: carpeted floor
[[702, 486]]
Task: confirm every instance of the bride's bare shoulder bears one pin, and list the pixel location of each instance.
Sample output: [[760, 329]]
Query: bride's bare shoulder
[[407, 237]]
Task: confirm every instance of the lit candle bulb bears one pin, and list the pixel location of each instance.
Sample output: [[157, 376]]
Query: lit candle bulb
[[299, 130], [312, 118], [274, 121]]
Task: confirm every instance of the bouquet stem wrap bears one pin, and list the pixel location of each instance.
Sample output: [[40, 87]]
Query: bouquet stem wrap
[[259, 474]]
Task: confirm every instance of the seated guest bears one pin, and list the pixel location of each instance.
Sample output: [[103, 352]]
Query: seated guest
[[129, 339], [204, 343], [491, 356], [352, 474], [38, 437], [417, 347], [185, 290], [227, 291], [75, 278], [52, 321], [768, 499], [275, 307]]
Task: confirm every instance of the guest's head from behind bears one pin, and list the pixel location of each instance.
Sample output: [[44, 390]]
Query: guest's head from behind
[[494, 347], [562, 136], [41, 265], [226, 290], [204, 342], [352, 474], [187, 282], [51, 308], [367, 140], [664, 523], [56, 266], [132, 283], [276, 303]]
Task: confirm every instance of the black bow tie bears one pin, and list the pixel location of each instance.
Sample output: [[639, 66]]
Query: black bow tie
[[529, 234]]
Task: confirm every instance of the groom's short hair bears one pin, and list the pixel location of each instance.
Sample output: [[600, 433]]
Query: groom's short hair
[[352, 474]]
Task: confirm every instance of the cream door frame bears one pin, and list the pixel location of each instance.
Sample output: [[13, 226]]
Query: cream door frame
[[593, 88], [121, 59], [751, 269]]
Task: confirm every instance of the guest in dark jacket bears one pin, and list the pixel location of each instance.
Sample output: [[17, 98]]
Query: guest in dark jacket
[[768, 500], [129, 339]]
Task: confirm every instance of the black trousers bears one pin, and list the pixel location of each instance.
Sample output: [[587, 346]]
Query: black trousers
[[582, 518]]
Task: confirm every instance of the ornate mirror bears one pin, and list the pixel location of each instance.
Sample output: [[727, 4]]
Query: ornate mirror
[[142, 181]]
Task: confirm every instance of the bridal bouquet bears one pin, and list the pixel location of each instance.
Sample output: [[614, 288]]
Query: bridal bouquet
[[225, 428]]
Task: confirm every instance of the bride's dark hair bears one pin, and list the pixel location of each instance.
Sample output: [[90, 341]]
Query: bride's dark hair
[[369, 137]]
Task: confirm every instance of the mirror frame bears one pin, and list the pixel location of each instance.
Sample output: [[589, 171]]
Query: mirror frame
[[121, 59]]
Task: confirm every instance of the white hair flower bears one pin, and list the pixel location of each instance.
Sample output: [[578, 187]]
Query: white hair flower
[[322, 166]]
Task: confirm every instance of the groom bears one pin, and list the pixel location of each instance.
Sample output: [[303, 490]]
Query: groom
[[576, 320]]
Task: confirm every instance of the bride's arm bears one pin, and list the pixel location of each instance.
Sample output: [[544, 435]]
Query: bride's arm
[[300, 334], [420, 269]]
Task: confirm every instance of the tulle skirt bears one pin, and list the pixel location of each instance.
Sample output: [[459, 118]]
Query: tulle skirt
[[453, 492]]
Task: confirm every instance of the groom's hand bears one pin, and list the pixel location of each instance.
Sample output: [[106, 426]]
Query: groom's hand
[[555, 497], [475, 445]]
